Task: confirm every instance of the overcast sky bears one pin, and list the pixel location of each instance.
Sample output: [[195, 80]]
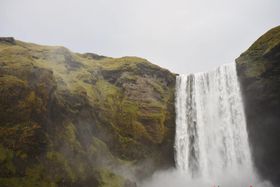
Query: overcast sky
[[181, 35]]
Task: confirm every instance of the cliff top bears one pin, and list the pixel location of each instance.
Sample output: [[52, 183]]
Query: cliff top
[[264, 45], [7, 40]]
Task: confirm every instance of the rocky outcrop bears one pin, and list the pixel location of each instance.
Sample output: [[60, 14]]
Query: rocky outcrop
[[69, 119], [259, 74], [9, 40]]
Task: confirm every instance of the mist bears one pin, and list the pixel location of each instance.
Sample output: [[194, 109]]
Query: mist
[[176, 178]]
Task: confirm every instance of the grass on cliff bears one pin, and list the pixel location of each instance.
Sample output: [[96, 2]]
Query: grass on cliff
[[254, 59], [79, 89]]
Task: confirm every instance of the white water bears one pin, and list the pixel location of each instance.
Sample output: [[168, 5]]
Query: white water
[[211, 143], [211, 136]]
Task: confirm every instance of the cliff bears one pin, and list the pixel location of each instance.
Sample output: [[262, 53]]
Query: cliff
[[69, 119], [259, 73]]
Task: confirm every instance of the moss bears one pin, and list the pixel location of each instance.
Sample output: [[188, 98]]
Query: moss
[[70, 136], [263, 46], [25, 182], [35, 177], [66, 115], [14, 55], [11, 168], [120, 63], [106, 89], [265, 43], [257, 58], [109, 179], [24, 138], [129, 77], [98, 147], [12, 90], [139, 131], [157, 87], [61, 167], [7, 166], [5, 154], [32, 104]]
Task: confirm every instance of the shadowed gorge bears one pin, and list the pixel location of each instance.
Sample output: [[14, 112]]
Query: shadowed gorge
[[69, 119]]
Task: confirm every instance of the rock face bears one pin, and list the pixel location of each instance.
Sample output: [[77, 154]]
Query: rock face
[[10, 40], [69, 119], [259, 73]]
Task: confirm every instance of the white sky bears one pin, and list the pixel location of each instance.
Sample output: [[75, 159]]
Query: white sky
[[181, 35]]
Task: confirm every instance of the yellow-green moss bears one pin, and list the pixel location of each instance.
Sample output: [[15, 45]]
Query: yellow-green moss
[[70, 136], [62, 164], [109, 179], [58, 95], [254, 59], [5, 154]]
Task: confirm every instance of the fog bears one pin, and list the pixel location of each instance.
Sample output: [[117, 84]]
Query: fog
[[175, 178], [181, 35]]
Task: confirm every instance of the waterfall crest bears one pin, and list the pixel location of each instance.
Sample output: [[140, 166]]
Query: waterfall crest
[[211, 136]]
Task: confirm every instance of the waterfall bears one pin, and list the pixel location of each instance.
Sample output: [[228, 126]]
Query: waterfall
[[211, 142], [211, 136]]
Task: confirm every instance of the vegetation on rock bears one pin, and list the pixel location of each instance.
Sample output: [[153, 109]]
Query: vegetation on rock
[[69, 119], [258, 70]]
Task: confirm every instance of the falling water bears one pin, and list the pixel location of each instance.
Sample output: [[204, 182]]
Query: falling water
[[211, 145], [211, 136]]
